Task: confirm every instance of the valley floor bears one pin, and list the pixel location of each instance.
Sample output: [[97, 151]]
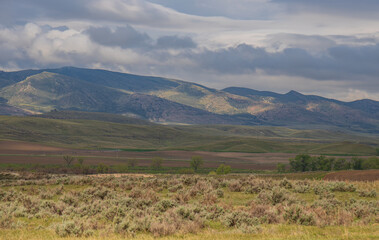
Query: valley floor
[[135, 206]]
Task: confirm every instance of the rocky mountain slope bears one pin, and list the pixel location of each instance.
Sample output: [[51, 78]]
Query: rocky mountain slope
[[174, 101]]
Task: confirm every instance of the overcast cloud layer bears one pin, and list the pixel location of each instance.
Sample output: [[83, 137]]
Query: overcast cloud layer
[[329, 48]]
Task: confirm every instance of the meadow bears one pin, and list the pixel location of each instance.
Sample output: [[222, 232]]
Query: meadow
[[148, 206]]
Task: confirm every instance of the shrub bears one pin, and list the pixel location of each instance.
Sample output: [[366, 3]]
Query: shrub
[[235, 186], [223, 169], [156, 163], [285, 184], [210, 198], [182, 197], [6, 220], [69, 228], [220, 193], [159, 228], [102, 168], [342, 187], [124, 226], [239, 219], [274, 196], [371, 194], [296, 215], [164, 205], [280, 168]]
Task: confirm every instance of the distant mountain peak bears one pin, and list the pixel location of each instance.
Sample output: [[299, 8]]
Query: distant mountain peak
[[294, 93]]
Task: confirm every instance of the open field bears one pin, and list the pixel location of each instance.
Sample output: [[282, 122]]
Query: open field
[[16, 152], [40, 206], [368, 175], [96, 134]]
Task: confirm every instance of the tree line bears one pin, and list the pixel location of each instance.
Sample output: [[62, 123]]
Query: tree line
[[305, 162]]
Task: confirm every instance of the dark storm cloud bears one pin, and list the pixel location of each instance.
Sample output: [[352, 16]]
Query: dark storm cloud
[[14, 12], [175, 42], [128, 37], [339, 63], [125, 37]]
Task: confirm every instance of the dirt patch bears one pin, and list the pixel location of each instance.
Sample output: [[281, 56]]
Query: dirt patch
[[11, 146], [358, 175], [117, 175]]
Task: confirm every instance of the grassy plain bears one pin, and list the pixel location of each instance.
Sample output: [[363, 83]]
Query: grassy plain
[[107, 134], [41, 206]]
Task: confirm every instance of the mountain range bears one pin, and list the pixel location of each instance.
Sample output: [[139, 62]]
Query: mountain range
[[174, 101]]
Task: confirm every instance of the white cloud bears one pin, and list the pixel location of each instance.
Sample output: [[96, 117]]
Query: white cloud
[[289, 44]]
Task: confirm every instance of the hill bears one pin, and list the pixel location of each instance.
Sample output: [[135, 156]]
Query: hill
[[296, 109], [105, 133], [47, 91], [173, 101]]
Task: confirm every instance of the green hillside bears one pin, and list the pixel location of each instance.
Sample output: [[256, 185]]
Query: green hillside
[[47, 91], [95, 134]]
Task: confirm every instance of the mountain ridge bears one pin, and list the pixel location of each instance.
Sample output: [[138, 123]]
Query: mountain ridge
[[167, 100]]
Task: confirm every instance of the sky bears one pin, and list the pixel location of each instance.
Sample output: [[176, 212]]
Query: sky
[[324, 47]]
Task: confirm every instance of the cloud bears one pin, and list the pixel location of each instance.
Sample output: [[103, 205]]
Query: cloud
[[312, 43], [348, 63], [242, 9], [352, 8], [175, 42], [217, 42], [125, 37]]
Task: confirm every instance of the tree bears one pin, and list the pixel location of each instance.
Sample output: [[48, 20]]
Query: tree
[[280, 167], [223, 169], [196, 162], [314, 164], [356, 163], [326, 164], [377, 152], [68, 160], [341, 164], [80, 162], [156, 163], [301, 163], [102, 168], [371, 163], [132, 162]]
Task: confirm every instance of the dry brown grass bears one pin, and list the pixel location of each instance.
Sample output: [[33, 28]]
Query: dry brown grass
[[358, 175]]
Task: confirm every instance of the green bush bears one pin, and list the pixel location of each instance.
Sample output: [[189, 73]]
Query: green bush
[[223, 169], [186, 171], [156, 163], [102, 168], [280, 168]]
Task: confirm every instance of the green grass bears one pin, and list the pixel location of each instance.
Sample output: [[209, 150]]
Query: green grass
[[214, 231], [93, 134]]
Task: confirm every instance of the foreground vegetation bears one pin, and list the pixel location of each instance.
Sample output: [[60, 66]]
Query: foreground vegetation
[[44, 206]]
